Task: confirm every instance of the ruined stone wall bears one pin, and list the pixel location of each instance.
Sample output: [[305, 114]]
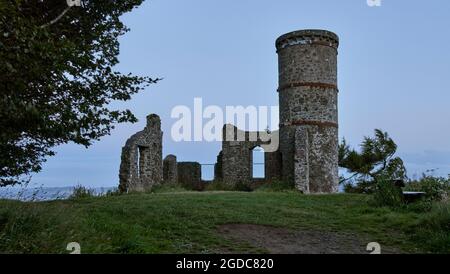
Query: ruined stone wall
[[272, 166], [308, 109], [307, 155], [141, 159], [235, 158], [170, 170], [218, 170], [190, 175], [237, 146]]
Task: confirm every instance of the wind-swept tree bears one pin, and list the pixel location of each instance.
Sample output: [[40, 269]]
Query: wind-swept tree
[[376, 159], [57, 78]]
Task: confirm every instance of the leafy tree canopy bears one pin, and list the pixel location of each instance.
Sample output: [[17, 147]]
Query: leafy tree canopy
[[57, 78]]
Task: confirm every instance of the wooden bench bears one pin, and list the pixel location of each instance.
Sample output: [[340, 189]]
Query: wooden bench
[[408, 196]]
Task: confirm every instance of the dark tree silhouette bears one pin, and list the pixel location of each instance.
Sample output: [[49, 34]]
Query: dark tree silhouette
[[376, 159], [57, 78]]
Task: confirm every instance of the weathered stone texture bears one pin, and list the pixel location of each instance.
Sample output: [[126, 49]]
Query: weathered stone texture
[[308, 104], [170, 170], [272, 166], [218, 169], [190, 175], [237, 147], [141, 165], [308, 109], [301, 159], [315, 158]]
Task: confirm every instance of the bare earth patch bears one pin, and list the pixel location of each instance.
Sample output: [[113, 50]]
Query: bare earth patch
[[277, 240]]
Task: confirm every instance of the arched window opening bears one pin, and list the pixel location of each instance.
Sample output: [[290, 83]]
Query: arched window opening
[[258, 163]]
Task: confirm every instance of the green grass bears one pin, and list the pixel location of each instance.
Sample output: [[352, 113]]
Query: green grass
[[186, 222]]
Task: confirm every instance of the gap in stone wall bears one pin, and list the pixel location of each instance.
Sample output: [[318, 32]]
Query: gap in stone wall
[[258, 163], [207, 172]]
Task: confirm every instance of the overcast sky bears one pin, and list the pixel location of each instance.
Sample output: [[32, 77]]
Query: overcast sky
[[394, 65]]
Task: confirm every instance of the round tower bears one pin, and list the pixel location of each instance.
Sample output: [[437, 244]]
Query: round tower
[[307, 62]]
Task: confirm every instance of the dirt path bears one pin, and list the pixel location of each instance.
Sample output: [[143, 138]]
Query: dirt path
[[283, 241]]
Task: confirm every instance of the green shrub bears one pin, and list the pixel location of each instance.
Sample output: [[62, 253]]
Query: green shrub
[[420, 206], [223, 186], [81, 192], [436, 188], [360, 187], [387, 194], [276, 186], [273, 186], [113, 192], [168, 188], [219, 186], [242, 186]]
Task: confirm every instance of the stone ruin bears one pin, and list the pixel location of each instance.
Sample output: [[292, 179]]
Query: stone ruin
[[141, 163], [170, 169], [307, 155], [235, 163], [190, 175]]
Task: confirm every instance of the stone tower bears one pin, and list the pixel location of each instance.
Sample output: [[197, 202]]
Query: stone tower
[[307, 61]]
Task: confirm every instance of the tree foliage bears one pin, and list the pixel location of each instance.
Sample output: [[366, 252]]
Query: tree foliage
[[57, 78], [376, 159]]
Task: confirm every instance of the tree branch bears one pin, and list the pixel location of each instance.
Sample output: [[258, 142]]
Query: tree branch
[[349, 178], [57, 18]]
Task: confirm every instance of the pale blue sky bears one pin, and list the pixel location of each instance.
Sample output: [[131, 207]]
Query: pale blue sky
[[394, 65]]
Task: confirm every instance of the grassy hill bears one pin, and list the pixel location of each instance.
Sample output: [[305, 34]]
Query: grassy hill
[[219, 222]]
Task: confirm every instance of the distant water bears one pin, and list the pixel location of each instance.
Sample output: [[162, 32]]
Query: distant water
[[44, 193]]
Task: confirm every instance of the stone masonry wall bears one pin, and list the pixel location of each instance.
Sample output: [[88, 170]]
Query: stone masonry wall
[[141, 159], [190, 175], [218, 170], [237, 147], [170, 170], [272, 166]]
